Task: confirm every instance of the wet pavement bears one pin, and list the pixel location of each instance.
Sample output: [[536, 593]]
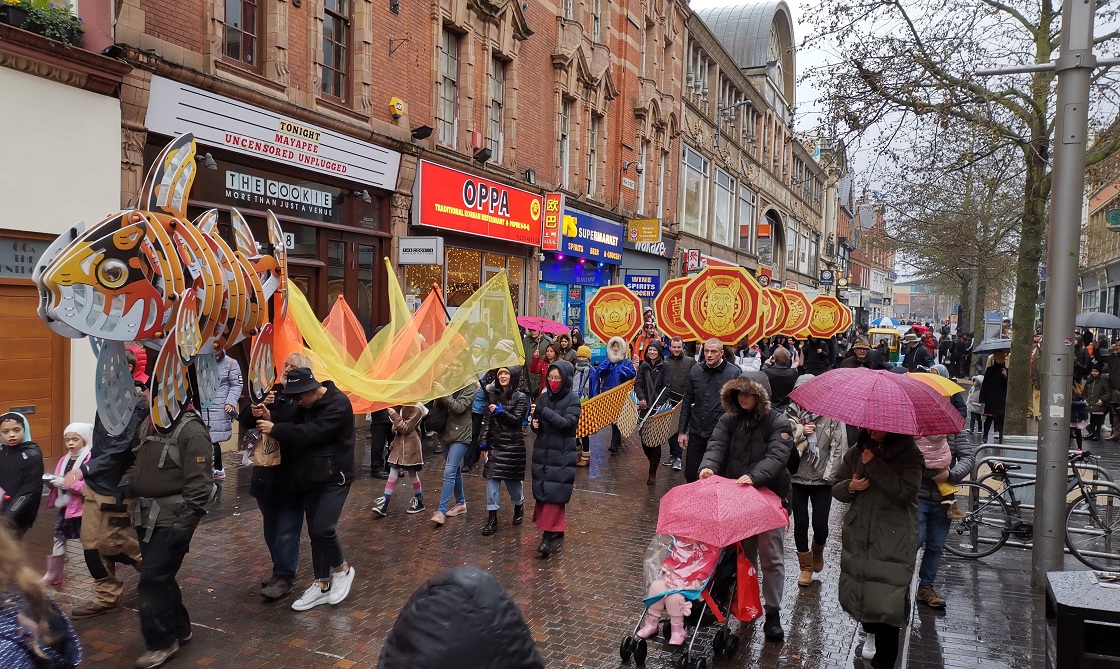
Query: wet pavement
[[579, 603]]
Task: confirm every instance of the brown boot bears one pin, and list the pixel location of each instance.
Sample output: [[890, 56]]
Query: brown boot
[[818, 557], [805, 561], [584, 459]]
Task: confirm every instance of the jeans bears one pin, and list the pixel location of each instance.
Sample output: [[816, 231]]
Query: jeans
[[453, 476], [163, 618], [820, 496], [767, 552], [516, 490], [693, 456], [283, 525], [933, 530], [674, 446], [322, 508]]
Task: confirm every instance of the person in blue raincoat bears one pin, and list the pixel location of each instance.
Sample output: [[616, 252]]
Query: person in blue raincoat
[[611, 373]]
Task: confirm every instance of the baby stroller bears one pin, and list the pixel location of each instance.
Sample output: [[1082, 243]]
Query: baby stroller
[[711, 606]]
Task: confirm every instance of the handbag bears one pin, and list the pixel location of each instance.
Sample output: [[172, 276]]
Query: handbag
[[747, 605], [264, 451]]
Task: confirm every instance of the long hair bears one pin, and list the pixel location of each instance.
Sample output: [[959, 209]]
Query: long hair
[[17, 577]]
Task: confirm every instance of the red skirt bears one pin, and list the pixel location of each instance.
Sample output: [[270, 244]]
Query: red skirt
[[550, 517]]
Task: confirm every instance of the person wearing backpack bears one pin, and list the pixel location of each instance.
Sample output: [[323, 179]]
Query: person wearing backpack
[[172, 480], [751, 443]]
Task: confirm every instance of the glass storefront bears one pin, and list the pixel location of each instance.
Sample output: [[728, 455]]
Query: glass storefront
[[466, 271]]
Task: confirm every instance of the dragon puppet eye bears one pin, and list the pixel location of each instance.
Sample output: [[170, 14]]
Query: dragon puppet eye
[[112, 273]]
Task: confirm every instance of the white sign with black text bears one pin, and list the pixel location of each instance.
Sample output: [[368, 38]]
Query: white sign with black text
[[420, 251]]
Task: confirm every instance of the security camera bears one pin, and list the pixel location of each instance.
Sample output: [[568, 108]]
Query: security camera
[[640, 168]]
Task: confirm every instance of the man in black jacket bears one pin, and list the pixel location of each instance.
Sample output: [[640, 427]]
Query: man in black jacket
[[108, 536], [863, 356], [319, 439], [916, 354], [752, 443], [680, 364], [701, 407]]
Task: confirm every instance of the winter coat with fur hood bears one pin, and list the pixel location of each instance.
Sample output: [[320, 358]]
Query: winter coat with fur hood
[[756, 442], [501, 432], [614, 371], [555, 450]]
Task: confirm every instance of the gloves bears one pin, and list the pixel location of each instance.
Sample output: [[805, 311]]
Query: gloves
[[498, 408], [484, 447], [123, 493]]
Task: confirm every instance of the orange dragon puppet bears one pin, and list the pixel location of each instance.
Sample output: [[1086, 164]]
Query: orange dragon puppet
[[176, 286]]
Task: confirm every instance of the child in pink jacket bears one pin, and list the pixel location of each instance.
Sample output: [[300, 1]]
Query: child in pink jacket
[[78, 438], [686, 568]]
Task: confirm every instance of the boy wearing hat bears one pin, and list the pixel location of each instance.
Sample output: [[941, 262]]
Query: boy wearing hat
[[581, 384]]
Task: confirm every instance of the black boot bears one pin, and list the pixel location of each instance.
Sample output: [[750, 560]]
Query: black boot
[[491, 524], [772, 627], [518, 514], [545, 549]]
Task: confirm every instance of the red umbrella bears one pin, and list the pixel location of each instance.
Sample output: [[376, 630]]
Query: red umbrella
[[879, 400], [719, 511], [546, 325]]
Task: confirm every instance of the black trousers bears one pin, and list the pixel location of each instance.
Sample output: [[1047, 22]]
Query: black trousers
[[163, 618], [820, 497], [218, 457], [616, 437], [693, 456], [1096, 422], [379, 434], [998, 421], [653, 454], [886, 644], [322, 509]]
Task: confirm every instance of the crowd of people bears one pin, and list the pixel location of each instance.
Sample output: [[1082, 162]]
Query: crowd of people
[[736, 421]]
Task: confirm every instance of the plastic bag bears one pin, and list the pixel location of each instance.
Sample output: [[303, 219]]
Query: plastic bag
[[655, 555], [748, 604]]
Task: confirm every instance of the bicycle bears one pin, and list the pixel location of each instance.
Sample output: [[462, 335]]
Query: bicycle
[[992, 518]]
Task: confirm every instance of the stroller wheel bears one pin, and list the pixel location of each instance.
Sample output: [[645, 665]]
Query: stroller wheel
[[683, 662], [719, 642], [640, 650], [732, 646], [699, 663], [626, 648]]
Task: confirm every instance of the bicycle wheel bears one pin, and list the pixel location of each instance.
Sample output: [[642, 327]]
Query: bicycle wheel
[[986, 524], [1093, 530]]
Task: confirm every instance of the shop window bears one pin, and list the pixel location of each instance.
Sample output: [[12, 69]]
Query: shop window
[[448, 88], [419, 280], [695, 193], [239, 38], [497, 103], [336, 37], [747, 212], [463, 271], [336, 270], [516, 269], [565, 141], [724, 208]]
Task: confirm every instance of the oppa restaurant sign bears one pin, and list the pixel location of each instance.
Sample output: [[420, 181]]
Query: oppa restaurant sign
[[454, 200]]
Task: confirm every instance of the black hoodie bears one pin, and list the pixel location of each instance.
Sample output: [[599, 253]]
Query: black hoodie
[[462, 618], [319, 441], [555, 451]]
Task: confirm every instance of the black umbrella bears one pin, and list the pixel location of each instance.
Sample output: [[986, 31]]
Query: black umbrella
[[993, 345], [1097, 319]]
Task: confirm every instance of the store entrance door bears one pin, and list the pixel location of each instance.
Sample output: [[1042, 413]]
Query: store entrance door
[[355, 271]]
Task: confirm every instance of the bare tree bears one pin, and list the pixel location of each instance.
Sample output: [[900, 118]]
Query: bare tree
[[911, 65]]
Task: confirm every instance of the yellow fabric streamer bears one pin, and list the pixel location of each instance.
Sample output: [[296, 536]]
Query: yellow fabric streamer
[[407, 361]]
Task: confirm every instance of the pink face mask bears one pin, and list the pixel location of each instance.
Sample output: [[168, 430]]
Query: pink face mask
[[554, 386]]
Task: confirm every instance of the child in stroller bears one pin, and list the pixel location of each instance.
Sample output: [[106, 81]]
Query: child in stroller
[[687, 567]]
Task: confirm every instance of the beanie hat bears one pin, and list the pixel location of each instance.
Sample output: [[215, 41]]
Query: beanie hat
[[583, 352], [480, 342]]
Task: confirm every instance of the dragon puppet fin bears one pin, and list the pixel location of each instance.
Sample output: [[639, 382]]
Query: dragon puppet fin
[[169, 180]]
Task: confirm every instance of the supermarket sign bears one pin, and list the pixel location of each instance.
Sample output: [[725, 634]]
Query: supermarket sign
[[454, 200]]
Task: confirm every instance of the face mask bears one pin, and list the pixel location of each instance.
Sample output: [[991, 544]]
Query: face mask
[[554, 386]]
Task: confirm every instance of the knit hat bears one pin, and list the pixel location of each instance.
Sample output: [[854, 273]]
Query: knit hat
[[583, 352], [481, 343], [83, 430]]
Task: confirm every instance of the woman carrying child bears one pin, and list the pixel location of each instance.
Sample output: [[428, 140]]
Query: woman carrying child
[[78, 439]]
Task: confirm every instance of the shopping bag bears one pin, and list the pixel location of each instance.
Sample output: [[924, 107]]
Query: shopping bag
[[747, 605], [264, 451]]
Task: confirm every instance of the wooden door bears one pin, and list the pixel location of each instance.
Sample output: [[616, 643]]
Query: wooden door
[[35, 369]]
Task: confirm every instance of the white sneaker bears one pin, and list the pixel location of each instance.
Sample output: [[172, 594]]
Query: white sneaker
[[312, 597], [677, 464], [340, 586], [869, 647]]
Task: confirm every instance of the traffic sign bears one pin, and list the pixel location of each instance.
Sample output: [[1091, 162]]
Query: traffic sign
[[827, 277]]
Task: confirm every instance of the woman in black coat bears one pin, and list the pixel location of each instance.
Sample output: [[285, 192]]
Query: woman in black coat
[[504, 442], [652, 388], [554, 453]]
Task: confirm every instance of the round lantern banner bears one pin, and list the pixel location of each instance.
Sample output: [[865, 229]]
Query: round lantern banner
[[800, 311], [614, 311], [723, 303], [667, 308], [827, 316]]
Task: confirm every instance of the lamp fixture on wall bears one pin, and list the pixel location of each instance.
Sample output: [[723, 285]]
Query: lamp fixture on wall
[[483, 155], [207, 160], [364, 194]]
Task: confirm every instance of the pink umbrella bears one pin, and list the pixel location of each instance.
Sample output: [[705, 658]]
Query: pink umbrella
[[879, 400], [719, 511], [546, 325]]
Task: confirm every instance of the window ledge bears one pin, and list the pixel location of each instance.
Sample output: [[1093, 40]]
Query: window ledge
[[248, 73], [341, 108]]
